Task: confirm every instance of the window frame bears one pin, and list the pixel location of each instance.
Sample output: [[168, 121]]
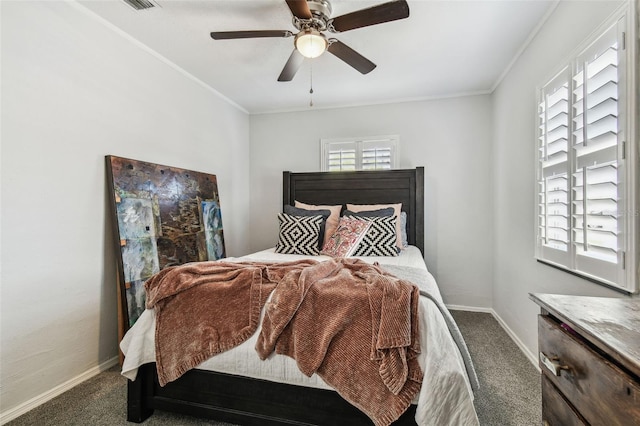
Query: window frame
[[627, 269], [359, 145]]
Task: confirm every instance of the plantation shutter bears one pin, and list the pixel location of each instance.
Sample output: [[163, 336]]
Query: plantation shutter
[[553, 181], [374, 153], [596, 138], [342, 156], [581, 170]]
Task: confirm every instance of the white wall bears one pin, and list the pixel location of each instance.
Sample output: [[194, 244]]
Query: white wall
[[516, 273], [451, 138], [73, 91]]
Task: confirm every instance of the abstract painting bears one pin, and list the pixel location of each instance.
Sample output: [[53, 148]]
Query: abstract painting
[[163, 216]]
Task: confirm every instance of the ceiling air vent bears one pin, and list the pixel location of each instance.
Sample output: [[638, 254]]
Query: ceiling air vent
[[140, 4]]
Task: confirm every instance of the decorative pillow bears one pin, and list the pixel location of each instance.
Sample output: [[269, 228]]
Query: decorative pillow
[[346, 237], [295, 211], [380, 239], [332, 221], [373, 213], [298, 234], [403, 230], [368, 207]]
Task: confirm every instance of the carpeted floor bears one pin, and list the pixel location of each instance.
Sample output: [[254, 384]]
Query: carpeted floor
[[509, 394], [509, 384]]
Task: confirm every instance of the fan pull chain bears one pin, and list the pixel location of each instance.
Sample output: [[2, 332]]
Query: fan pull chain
[[311, 83]]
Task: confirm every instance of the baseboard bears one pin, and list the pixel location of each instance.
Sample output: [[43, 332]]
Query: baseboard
[[29, 405], [531, 357], [470, 309]]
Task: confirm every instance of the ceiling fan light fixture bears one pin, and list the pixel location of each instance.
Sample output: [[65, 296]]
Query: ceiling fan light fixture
[[311, 43]]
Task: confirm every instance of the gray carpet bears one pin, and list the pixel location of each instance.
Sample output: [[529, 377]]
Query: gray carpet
[[509, 394], [509, 384]]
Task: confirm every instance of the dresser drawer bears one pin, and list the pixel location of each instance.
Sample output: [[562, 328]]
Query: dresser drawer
[[600, 391], [556, 411]]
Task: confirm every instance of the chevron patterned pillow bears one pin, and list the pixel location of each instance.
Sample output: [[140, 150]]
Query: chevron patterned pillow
[[298, 234], [380, 239]]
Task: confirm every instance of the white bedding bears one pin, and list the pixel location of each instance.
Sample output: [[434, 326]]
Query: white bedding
[[445, 397], [411, 256]]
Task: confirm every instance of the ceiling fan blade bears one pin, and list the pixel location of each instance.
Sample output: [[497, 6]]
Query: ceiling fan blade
[[292, 66], [385, 12], [350, 56], [299, 8], [226, 35]]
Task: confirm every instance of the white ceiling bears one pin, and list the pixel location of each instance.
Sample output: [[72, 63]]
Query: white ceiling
[[445, 48]]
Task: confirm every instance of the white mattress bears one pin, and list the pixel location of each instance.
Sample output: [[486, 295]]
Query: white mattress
[[445, 397]]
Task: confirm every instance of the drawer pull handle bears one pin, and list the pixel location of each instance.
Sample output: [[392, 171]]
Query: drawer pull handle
[[553, 364]]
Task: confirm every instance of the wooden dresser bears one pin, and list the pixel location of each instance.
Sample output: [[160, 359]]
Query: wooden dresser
[[589, 354]]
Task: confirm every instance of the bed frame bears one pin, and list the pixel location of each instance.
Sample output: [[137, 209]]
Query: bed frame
[[248, 401], [363, 187]]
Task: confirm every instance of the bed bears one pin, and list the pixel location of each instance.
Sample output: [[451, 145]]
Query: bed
[[225, 389]]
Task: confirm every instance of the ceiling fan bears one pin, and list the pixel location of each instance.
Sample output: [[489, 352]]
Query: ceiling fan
[[311, 18]]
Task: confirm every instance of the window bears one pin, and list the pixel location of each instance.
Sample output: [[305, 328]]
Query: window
[[371, 153], [584, 174]]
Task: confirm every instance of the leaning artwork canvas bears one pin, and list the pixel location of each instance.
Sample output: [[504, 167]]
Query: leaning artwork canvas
[[163, 216]]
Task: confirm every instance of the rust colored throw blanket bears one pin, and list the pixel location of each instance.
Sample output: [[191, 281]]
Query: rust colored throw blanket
[[205, 308], [355, 326], [348, 321]]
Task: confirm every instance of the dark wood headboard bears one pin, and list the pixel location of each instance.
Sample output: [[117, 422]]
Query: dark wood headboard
[[363, 187]]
